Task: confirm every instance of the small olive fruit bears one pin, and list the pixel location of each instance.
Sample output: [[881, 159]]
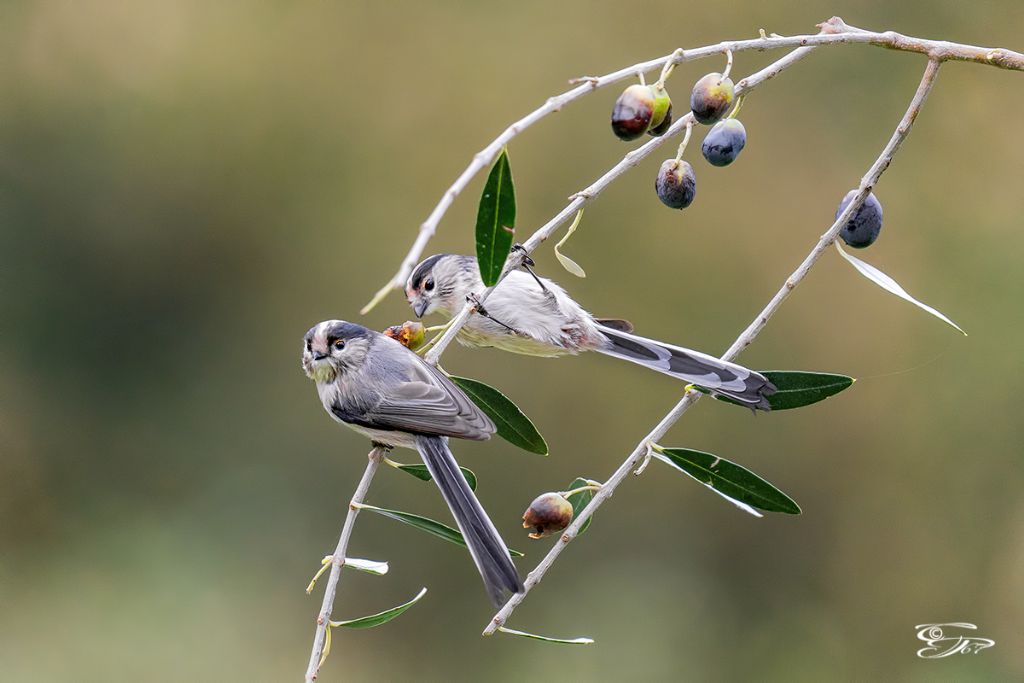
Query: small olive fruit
[[409, 334], [676, 184], [662, 128], [711, 98], [633, 112], [662, 106], [549, 513], [724, 142], [863, 227]]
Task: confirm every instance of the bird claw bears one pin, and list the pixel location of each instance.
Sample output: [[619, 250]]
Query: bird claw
[[527, 261]]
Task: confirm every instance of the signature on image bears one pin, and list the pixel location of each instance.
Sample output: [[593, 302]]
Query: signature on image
[[942, 645]]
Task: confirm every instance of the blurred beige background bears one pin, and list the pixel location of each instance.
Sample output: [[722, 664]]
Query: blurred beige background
[[186, 187]]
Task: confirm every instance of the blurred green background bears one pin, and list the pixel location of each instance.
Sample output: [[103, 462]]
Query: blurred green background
[[186, 187]]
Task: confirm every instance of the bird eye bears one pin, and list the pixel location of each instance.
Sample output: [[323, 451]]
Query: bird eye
[[428, 286], [339, 344], [309, 344]]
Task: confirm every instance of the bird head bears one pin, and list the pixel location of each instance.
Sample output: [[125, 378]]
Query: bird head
[[333, 347], [440, 283]]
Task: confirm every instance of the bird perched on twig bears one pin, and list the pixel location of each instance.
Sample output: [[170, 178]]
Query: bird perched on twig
[[386, 392], [534, 316]]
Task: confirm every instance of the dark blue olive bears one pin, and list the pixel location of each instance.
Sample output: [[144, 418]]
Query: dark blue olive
[[676, 184], [724, 142], [863, 227]]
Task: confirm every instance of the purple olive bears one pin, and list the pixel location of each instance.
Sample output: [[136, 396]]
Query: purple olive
[[711, 98], [633, 112], [676, 184]]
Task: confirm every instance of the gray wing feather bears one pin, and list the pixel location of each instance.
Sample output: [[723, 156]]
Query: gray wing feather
[[428, 403]]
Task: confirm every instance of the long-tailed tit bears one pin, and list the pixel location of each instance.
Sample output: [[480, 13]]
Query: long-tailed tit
[[534, 316], [382, 390]]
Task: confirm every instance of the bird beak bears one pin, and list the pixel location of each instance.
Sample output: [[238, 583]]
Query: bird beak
[[420, 307], [318, 355]]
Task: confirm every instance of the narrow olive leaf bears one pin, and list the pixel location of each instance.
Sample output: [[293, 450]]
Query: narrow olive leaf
[[425, 524], [729, 479], [381, 617], [368, 566], [560, 641], [796, 389], [580, 500], [567, 262], [495, 221], [513, 425], [742, 506], [891, 286], [421, 472]]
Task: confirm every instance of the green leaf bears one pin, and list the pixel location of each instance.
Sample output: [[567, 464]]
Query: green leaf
[[513, 425], [495, 221], [368, 566], [729, 479], [560, 641], [381, 617], [580, 500], [425, 524], [421, 472], [796, 389]]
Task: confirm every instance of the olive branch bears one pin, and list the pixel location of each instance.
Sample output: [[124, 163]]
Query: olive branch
[[796, 389]]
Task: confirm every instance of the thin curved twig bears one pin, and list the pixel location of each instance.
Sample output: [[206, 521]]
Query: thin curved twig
[[744, 340], [338, 561]]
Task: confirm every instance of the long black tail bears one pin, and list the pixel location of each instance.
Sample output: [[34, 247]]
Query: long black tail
[[485, 545], [721, 377]]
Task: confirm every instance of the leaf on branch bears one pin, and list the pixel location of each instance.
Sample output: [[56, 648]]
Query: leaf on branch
[[567, 262], [546, 639], [580, 500], [512, 423], [731, 481], [368, 566], [891, 286], [442, 531], [797, 389], [381, 617], [421, 472], [495, 221]]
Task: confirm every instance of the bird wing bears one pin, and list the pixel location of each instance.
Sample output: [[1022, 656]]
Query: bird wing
[[429, 403]]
